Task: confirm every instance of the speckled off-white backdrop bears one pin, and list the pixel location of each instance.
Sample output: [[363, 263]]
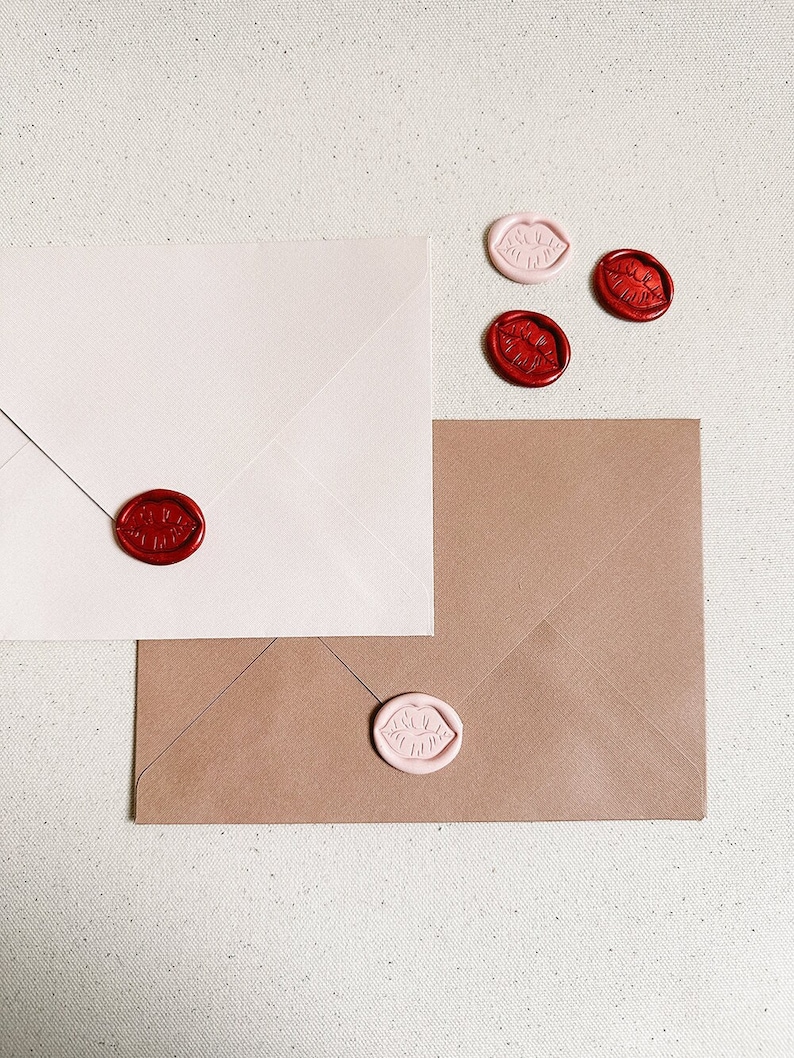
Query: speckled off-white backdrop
[[660, 125]]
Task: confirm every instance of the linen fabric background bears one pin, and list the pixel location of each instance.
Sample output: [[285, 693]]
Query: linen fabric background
[[662, 126]]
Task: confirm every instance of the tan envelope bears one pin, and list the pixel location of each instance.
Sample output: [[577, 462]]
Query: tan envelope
[[569, 638]]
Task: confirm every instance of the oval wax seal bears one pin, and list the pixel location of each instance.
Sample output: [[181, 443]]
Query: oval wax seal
[[633, 285], [417, 733], [528, 348], [527, 247], [160, 527]]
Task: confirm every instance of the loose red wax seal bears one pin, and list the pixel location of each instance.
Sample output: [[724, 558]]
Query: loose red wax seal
[[160, 527], [528, 348], [633, 285]]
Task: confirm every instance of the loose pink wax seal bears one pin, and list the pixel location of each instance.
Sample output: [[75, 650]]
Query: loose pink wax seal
[[528, 248], [417, 733]]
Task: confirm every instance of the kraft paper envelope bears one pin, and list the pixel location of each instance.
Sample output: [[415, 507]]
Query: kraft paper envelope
[[286, 388], [568, 637]]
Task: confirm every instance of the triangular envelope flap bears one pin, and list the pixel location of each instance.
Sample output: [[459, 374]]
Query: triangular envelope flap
[[640, 622], [177, 680], [283, 557], [377, 411], [546, 737], [523, 512], [287, 742], [142, 367]]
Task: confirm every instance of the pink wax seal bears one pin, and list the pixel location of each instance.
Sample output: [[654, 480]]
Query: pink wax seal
[[417, 733], [528, 248]]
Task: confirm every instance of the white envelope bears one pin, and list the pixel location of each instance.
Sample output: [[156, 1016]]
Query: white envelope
[[286, 388]]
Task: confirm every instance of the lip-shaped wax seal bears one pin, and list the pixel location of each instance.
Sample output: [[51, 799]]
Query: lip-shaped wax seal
[[527, 247], [160, 527], [528, 348], [417, 733], [633, 285]]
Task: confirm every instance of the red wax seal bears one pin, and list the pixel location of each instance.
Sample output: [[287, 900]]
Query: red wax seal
[[633, 285], [160, 527], [527, 348]]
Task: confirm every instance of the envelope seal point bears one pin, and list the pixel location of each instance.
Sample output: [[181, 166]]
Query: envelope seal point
[[417, 733], [160, 527]]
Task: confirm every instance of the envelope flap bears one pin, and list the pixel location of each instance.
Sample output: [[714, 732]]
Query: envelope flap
[[640, 623], [546, 737], [284, 557], [177, 680], [286, 742], [378, 411], [141, 367], [523, 512]]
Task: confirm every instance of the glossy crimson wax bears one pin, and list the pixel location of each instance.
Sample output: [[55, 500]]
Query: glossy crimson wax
[[160, 527], [633, 285], [528, 348]]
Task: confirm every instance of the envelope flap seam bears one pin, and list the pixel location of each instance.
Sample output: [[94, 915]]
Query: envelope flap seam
[[358, 521], [578, 584], [392, 268], [201, 713], [356, 677], [679, 484], [15, 454], [665, 738], [275, 440], [356, 354]]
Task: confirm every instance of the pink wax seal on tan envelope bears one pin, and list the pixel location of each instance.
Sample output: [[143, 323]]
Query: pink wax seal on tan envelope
[[527, 247], [417, 733]]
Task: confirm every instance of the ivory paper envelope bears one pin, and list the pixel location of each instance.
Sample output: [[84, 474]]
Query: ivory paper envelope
[[285, 388], [568, 638]]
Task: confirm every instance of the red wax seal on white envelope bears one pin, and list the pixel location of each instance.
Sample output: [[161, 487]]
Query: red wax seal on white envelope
[[417, 733], [528, 248], [160, 527]]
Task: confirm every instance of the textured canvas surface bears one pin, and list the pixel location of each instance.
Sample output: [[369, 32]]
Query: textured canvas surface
[[662, 126]]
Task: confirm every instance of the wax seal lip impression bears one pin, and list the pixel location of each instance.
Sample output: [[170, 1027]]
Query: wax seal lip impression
[[528, 348], [160, 527], [633, 285], [527, 247], [417, 733]]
